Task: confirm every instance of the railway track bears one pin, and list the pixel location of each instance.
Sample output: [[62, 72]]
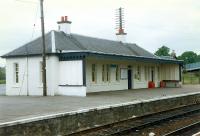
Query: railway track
[[157, 124], [186, 130]]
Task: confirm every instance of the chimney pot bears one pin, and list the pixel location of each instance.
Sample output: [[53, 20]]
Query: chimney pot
[[64, 25], [62, 19], [66, 18], [121, 31]]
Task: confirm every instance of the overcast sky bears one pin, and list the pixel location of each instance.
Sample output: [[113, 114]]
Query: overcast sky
[[149, 23]]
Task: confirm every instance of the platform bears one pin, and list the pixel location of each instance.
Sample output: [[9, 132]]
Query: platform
[[18, 109], [21, 107]]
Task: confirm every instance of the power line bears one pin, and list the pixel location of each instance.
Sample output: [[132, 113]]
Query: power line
[[27, 1], [34, 22]]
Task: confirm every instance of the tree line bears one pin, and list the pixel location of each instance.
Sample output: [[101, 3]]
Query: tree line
[[2, 73], [187, 56]]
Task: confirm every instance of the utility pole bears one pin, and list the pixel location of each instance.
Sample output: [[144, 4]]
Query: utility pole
[[44, 80]]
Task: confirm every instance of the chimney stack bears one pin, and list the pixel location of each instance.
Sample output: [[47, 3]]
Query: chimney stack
[[64, 25]]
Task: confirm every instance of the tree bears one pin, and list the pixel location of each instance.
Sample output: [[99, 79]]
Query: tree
[[2, 74], [163, 51], [198, 58], [188, 57]]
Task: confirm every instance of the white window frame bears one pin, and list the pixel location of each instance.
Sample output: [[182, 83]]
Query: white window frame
[[138, 73], [94, 73], [16, 73], [107, 72]]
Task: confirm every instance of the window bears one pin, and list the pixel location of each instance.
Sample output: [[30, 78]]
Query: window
[[107, 72], [117, 73], [103, 72], [138, 73], [146, 73], [94, 73], [16, 67], [158, 68], [41, 73]]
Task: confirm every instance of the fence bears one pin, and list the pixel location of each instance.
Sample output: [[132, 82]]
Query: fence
[[191, 80]]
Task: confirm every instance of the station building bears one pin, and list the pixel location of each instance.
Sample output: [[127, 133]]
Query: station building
[[77, 65]]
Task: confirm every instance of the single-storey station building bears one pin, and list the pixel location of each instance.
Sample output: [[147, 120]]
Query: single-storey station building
[[77, 65]]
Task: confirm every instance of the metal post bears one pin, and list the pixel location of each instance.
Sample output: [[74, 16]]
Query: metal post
[[43, 53], [120, 19]]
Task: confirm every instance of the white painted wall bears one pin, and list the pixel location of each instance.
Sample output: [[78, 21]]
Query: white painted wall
[[31, 70], [100, 85], [72, 90], [170, 72], [123, 84], [65, 27], [71, 78], [66, 77], [71, 73], [121, 38]]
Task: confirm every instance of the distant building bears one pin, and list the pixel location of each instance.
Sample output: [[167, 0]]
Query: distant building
[[77, 65], [193, 67]]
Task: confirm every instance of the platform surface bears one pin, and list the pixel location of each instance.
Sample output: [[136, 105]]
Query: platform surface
[[14, 108]]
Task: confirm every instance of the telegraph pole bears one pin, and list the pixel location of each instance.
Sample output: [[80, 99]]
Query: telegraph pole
[[44, 80]]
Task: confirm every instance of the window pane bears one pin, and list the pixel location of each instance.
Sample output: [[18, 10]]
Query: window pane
[[103, 73], [117, 73], [93, 73], [108, 72], [16, 73]]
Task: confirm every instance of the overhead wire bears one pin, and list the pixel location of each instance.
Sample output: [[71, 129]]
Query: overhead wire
[[27, 53]]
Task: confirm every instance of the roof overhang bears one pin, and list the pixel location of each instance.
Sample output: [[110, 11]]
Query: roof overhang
[[81, 55], [193, 70]]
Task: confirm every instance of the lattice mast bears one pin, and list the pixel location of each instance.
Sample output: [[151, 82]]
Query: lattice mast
[[120, 23]]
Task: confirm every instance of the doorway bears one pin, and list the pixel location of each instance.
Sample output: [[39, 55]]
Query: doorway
[[129, 79], [152, 74]]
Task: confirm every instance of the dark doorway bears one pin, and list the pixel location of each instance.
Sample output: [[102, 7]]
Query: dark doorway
[[129, 79], [152, 75]]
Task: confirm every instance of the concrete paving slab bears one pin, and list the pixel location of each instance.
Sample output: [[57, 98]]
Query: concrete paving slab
[[14, 108]]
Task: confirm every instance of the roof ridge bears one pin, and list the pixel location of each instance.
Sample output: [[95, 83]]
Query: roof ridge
[[98, 38], [128, 47], [146, 50], [75, 41]]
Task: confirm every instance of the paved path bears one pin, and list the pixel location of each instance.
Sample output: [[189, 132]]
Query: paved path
[[20, 107], [2, 89]]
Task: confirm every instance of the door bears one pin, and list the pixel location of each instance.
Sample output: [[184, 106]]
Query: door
[[129, 79], [152, 75]]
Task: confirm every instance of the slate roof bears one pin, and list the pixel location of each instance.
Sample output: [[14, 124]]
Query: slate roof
[[32, 48], [75, 42]]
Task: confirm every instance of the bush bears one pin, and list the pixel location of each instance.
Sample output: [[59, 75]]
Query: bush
[[2, 81], [2, 73]]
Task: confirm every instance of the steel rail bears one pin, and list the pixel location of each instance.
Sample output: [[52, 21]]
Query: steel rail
[[153, 119], [155, 122], [183, 129]]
